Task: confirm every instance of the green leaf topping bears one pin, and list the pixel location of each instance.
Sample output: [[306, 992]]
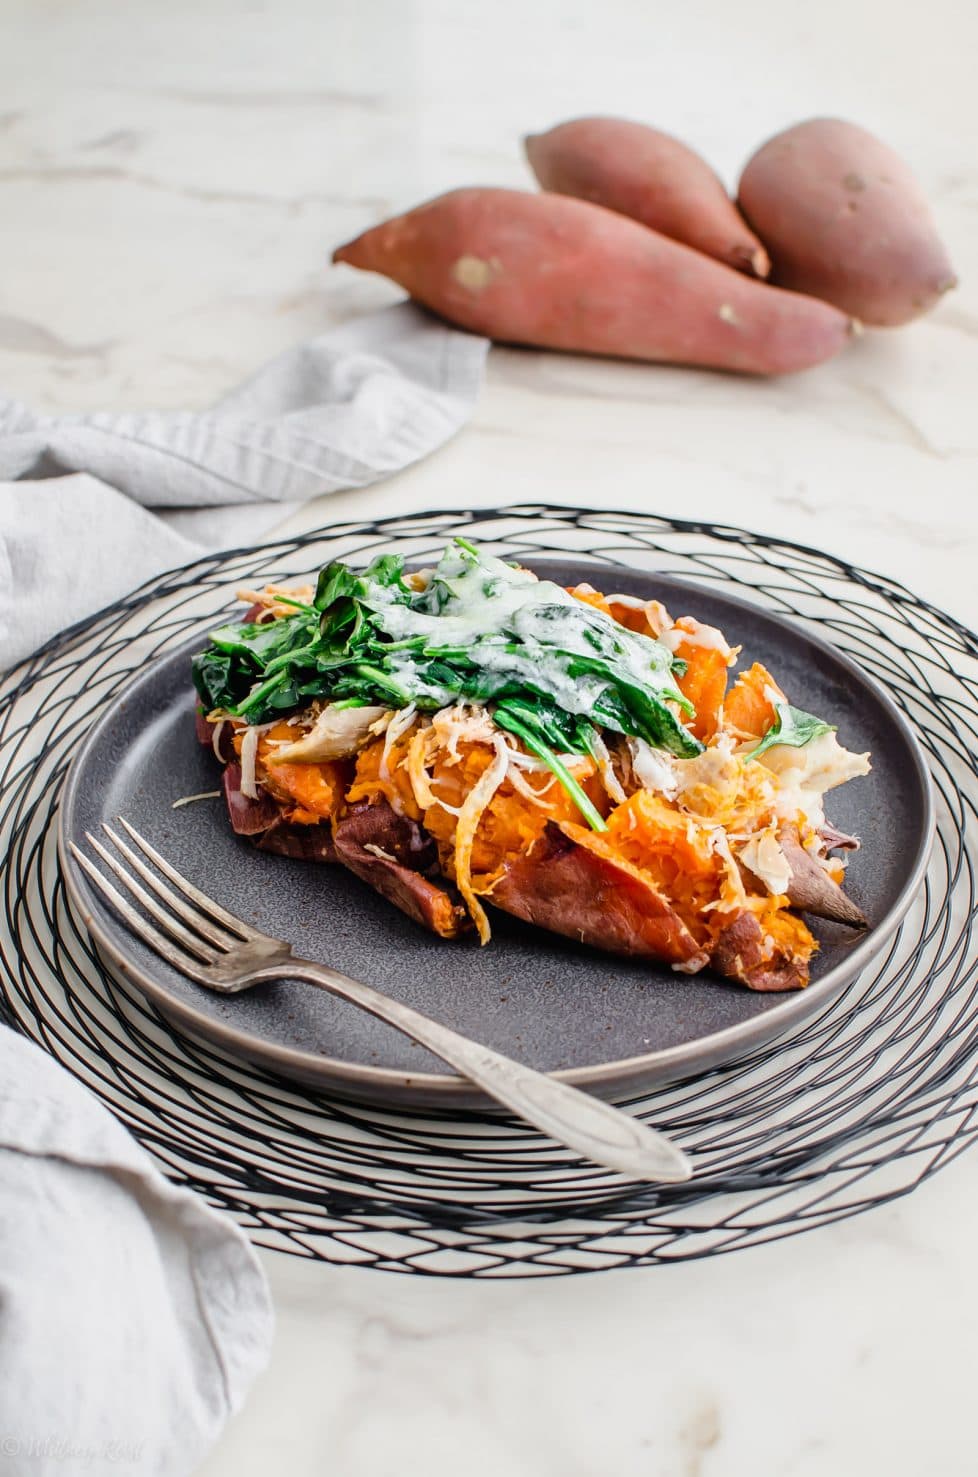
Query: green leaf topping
[[791, 727]]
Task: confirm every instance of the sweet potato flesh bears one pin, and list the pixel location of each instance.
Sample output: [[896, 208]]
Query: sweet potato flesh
[[310, 793], [748, 709]]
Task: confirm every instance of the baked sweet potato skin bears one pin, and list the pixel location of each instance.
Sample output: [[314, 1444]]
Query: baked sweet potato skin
[[739, 954], [812, 890], [576, 890], [264, 822], [651, 177], [845, 220], [397, 859], [564, 274]]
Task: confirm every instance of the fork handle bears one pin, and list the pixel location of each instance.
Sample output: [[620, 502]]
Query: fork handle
[[592, 1128]]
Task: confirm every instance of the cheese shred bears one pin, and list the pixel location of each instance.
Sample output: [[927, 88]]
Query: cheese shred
[[476, 803], [249, 753]]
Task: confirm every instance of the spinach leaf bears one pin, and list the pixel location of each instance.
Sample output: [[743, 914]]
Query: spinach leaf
[[214, 678], [529, 733], [791, 727]]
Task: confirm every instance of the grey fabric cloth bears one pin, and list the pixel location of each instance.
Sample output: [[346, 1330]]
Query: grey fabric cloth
[[133, 1318], [90, 505]]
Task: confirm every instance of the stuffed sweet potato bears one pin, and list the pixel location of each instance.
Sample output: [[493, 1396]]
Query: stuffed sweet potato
[[470, 738]]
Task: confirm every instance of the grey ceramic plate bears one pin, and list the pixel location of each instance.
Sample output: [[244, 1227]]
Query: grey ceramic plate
[[612, 1026]]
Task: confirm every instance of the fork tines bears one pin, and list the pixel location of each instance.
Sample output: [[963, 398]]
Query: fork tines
[[192, 926]]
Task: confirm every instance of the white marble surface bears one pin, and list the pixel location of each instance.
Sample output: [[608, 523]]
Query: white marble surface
[[173, 176]]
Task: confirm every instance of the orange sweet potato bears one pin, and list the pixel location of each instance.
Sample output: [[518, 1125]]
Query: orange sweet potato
[[704, 682], [845, 220], [747, 708], [651, 177], [564, 274]]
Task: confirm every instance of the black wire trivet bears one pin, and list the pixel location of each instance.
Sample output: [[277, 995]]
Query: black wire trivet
[[854, 1109]]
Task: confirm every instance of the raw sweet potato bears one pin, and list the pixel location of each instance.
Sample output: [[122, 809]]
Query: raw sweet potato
[[651, 177], [563, 274], [845, 220]]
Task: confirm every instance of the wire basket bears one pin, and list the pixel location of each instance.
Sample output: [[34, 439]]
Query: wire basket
[[853, 1109]]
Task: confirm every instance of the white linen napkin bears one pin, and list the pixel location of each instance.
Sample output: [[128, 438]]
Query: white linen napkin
[[91, 505], [133, 1318]]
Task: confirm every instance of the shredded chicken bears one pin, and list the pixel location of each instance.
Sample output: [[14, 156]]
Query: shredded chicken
[[577, 764], [417, 760], [521, 787], [192, 799], [462, 721], [651, 769], [734, 894], [336, 734], [218, 729], [762, 855], [270, 598], [609, 779], [249, 753]]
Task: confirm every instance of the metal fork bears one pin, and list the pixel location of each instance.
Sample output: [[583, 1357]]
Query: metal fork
[[213, 947]]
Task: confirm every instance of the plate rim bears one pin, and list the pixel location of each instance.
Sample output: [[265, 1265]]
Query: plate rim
[[617, 1078]]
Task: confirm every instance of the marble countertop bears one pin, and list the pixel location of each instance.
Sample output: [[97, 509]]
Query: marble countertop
[[173, 178]]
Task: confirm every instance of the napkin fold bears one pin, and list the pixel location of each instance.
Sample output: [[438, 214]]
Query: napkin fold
[[133, 1318], [91, 505]]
